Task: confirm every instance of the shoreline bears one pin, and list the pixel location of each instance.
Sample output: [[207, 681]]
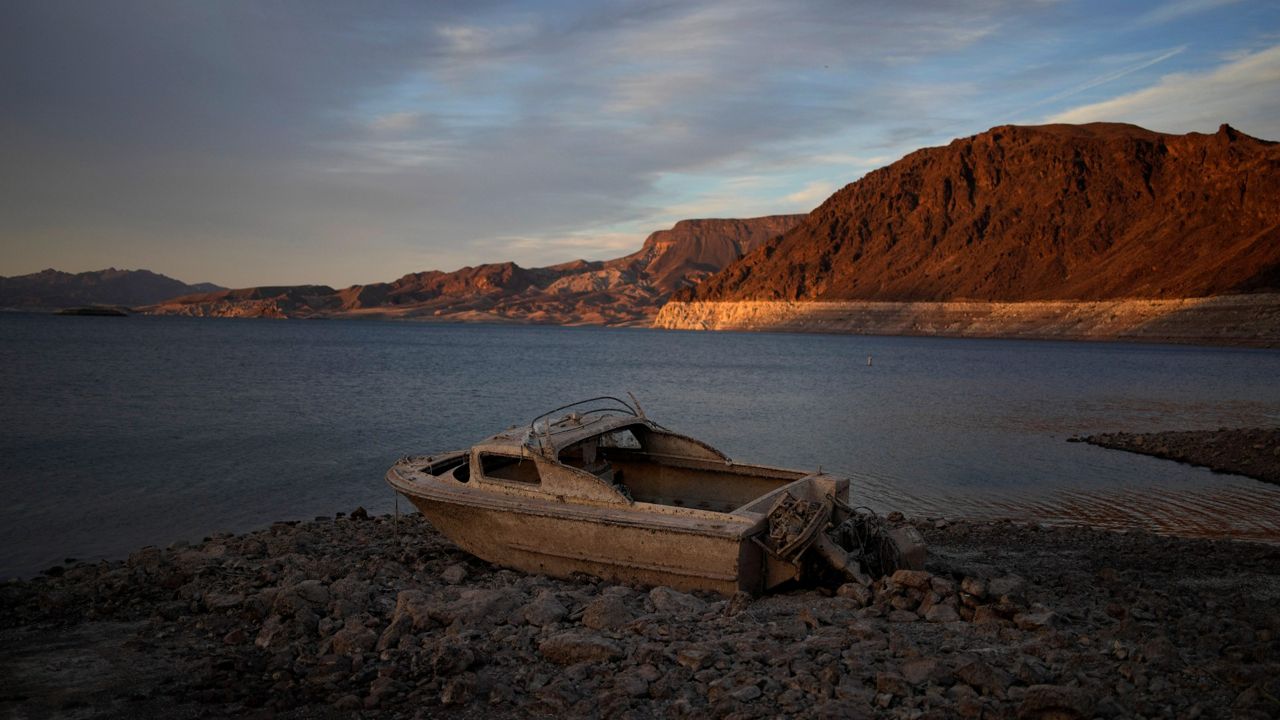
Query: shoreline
[[1251, 452], [356, 614], [1239, 320], [1260, 329]]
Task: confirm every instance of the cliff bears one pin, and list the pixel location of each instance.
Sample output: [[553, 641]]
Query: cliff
[[1056, 212], [623, 291]]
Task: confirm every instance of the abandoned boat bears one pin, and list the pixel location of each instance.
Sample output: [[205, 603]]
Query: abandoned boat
[[597, 487]]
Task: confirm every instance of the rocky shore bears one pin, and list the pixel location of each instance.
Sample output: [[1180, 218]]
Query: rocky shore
[[1252, 452], [368, 616]]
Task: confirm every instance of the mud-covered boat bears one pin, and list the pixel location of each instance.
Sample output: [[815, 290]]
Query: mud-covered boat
[[596, 487]]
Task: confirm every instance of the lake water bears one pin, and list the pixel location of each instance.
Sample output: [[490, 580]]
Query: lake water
[[121, 432]]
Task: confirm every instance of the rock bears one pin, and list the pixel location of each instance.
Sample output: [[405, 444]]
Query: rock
[[483, 606], [1035, 620], [454, 574], [450, 657], [354, 638], [359, 514], [666, 600], [148, 560], [984, 678], [607, 612], [347, 703], [739, 602], [974, 588], [1056, 702], [942, 614], [1031, 671], [942, 586], [631, 684], [903, 616], [412, 606], [1007, 585], [308, 595], [544, 610], [859, 594], [459, 690], [985, 615], [273, 635], [746, 693], [574, 647], [915, 579], [223, 601], [793, 628], [891, 684], [695, 657], [925, 670]]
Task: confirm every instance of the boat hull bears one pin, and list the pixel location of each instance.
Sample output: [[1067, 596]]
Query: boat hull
[[623, 546]]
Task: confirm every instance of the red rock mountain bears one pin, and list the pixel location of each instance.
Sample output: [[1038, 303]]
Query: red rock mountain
[[624, 290], [1054, 212]]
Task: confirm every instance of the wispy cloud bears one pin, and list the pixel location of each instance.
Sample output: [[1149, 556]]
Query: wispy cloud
[[1108, 77], [1179, 9], [1245, 93], [812, 194]]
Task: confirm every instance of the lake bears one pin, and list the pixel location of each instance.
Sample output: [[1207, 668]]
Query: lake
[[121, 432]]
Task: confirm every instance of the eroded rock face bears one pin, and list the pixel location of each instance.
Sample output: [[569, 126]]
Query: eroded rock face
[[1054, 212]]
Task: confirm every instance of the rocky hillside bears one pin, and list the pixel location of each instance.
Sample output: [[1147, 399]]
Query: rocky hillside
[[1056, 212], [49, 289], [625, 290]]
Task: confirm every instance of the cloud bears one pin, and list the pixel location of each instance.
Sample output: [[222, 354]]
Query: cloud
[[1170, 11], [812, 194], [1144, 63], [1242, 92], [395, 122]]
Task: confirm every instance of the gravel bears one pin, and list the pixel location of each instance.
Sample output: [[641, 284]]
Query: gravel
[[365, 616]]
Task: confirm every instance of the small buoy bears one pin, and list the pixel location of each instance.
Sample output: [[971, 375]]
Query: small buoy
[[868, 361]]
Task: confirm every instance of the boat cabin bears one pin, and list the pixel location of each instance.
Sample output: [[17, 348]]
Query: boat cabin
[[613, 454]]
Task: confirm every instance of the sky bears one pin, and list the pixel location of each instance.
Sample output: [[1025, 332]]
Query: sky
[[336, 142]]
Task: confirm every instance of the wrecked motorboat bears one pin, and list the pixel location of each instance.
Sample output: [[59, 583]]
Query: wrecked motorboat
[[597, 487]]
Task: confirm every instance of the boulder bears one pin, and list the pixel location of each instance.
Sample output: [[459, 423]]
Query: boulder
[[914, 579], [607, 612], [544, 610]]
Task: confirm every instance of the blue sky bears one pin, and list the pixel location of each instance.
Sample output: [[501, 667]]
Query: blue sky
[[333, 142]]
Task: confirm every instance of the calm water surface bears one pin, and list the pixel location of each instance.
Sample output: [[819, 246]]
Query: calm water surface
[[121, 432]]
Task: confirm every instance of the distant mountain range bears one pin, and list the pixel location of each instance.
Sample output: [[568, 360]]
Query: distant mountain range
[[52, 289], [623, 291], [1054, 212]]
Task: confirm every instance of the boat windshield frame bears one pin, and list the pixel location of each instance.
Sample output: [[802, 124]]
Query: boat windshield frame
[[610, 406]]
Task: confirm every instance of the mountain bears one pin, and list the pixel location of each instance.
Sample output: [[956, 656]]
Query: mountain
[[1055, 212], [49, 289], [622, 291]]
